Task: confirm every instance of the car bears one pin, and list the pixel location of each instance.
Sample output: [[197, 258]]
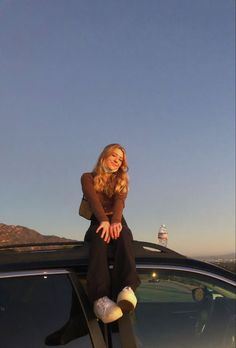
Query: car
[[182, 302]]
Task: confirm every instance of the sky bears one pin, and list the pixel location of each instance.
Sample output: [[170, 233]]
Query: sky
[[156, 76]]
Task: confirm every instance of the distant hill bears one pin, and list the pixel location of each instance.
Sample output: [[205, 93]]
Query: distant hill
[[228, 256], [15, 234], [227, 261]]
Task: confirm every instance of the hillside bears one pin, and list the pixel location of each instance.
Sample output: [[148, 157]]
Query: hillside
[[15, 234]]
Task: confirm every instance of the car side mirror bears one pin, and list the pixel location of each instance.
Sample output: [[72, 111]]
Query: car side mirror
[[198, 294]]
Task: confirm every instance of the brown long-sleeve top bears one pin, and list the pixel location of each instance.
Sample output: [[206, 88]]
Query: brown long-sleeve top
[[100, 204]]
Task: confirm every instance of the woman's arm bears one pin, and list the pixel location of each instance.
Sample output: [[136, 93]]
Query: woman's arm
[[96, 206], [92, 197], [118, 206]]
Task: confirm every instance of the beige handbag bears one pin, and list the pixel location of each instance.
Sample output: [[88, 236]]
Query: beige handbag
[[84, 209]]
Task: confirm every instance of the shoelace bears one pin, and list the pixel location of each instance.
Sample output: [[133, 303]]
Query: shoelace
[[102, 303]]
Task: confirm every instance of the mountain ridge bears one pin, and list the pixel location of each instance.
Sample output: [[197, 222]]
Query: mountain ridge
[[17, 234]]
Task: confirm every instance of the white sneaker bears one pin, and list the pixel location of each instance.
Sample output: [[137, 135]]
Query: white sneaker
[[107, 310], [127, 300]]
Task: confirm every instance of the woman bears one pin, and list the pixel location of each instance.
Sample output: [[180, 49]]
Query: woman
[[106, 189]]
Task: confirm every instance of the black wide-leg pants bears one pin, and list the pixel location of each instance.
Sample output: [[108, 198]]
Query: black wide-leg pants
[[101, 281]]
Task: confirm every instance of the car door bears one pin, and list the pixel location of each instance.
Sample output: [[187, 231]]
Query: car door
[[181, 307], [43, 308]]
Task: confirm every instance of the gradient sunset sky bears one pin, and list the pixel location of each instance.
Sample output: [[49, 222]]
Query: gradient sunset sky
[[157, 76]]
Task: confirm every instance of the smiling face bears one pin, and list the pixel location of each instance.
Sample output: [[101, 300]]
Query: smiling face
[[114, 160]]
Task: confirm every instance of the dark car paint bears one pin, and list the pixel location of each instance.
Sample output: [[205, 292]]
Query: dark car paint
[[74, 258]]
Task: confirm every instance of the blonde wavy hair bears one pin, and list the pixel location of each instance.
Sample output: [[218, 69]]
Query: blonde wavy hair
[[118, 182]]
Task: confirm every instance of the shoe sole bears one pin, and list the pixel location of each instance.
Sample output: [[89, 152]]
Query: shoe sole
[[126, 306]]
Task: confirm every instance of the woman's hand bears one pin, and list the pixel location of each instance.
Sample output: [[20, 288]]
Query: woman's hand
[[105, 227], [115, 230]]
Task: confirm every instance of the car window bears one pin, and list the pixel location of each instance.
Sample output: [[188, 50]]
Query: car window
[[182, 309], [41, 311]]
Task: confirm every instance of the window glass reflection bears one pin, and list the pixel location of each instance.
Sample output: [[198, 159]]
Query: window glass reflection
[[182, 309], [41, 311]]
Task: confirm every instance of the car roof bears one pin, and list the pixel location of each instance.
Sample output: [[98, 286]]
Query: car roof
[[23, 257]]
